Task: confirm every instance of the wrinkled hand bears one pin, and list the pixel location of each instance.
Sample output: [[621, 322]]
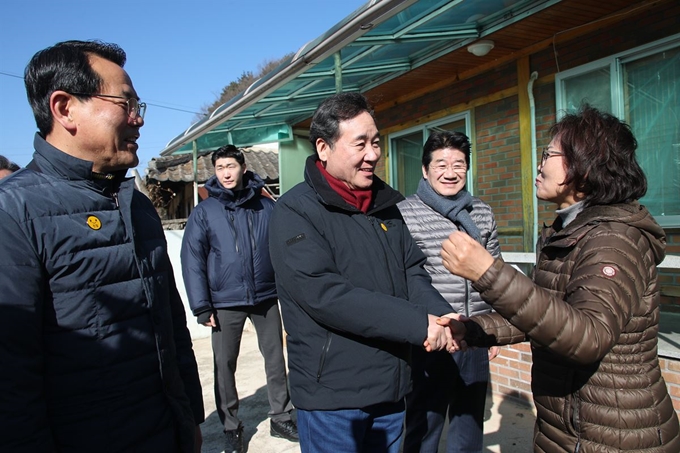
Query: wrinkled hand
[[465, 257], [456, 330]]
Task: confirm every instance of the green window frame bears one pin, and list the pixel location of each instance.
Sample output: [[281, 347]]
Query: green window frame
[[642, 87]]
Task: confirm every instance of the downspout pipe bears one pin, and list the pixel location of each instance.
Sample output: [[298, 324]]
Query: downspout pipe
[[534, 162]]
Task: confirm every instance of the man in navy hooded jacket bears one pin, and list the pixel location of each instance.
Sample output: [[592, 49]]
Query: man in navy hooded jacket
[[229, 277]]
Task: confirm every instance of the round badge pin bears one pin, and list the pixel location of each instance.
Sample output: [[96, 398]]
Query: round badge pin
[[94, 223]]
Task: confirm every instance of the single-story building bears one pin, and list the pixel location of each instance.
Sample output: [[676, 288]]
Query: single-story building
[[502, 71]]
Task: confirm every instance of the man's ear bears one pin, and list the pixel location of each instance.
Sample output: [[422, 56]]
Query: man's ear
[[63, 107], [322, 149]]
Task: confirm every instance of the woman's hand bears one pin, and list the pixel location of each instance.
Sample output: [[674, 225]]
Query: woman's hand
[[465, 257]]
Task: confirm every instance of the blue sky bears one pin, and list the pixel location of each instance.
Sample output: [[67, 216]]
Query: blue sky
[[181, 53]]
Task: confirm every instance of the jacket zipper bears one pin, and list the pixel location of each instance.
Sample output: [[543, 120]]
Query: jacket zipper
[[114, 195], [467, 298], [233, 231], [575, 420], [324, 351], [250, 229]]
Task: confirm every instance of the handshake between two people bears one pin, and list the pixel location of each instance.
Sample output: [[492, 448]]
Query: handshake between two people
[[465, 257], [445, 332]]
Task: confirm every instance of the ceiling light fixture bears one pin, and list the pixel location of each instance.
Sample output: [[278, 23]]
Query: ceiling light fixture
[[481, 48]]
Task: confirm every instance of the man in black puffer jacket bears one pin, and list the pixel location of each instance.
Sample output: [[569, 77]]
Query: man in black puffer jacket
[[354, 293], [94, 347]]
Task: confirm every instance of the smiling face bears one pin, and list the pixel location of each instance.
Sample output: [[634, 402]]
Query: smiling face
[[354, 155], [551, 174], [106, 134], [229, 173], [447, 172]]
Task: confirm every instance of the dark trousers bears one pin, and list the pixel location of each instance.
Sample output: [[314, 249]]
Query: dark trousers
[[447, 384], [226, 343]]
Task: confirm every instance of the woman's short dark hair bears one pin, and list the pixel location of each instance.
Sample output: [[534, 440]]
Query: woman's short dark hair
[[334, 109], [65, 66], [599, 152], [445, 139], [228, 151]]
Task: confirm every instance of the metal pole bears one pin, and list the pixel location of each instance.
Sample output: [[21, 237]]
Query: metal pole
[[195, 152], [338, 71]]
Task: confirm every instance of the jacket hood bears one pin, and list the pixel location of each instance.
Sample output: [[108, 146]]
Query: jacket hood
[[384, 196], [252, 186], [633, 214]]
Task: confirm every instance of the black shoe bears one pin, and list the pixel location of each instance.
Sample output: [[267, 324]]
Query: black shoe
[[233, 441], [285, 430]]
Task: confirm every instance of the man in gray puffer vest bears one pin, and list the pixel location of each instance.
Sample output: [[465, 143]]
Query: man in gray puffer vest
[[448, 384]]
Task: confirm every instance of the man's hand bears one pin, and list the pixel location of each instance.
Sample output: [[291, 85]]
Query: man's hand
[[493, 352], [465, 257], [456, 331], [437, 338], [211, 322]]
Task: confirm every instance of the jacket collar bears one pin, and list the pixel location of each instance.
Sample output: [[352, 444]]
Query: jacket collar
[[55, 162], [383, 195]]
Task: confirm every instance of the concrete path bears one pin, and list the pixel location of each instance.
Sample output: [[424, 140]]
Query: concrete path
[[508, 427]]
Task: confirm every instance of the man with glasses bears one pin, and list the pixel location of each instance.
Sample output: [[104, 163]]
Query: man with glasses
[[95, 350], [444, 384]]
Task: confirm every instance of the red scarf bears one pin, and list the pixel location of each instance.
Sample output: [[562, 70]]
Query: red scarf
[[359, 198]]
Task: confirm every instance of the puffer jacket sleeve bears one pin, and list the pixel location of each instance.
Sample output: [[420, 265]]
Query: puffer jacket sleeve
[[194, 256], [307, 274], [585, 323], [23, 411]]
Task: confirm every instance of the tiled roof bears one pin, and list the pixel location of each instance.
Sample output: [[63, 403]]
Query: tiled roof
[[178, 168]]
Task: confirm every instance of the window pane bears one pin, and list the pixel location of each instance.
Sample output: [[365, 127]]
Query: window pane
[[652, 108], [408, 150], [593, 87], [454, 126]]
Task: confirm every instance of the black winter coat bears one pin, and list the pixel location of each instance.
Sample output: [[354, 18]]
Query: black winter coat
[[94, 350], [354, 295], [225, 249]]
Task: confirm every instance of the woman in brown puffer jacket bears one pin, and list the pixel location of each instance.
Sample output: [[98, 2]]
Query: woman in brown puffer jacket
[[592, 309]]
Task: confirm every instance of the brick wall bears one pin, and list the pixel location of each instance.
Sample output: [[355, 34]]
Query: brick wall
[[498, 171]]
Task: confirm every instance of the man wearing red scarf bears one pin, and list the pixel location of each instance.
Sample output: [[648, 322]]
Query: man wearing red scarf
[[354, 293]]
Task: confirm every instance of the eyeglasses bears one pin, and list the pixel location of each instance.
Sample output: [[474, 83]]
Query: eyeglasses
[[134, 107], [547, 154], [441, 168]]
